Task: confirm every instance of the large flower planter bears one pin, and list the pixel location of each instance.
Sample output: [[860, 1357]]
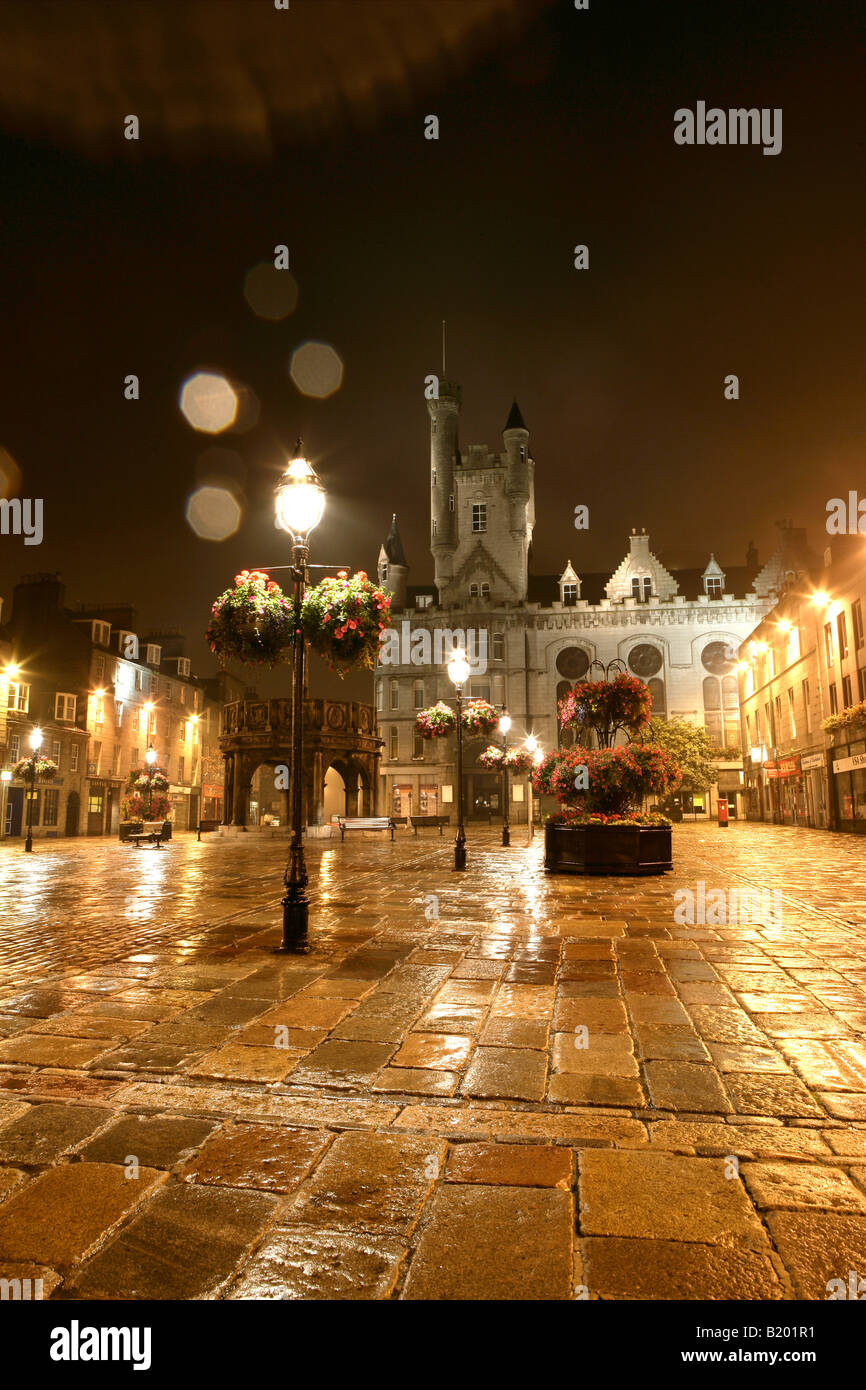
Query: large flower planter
[[607, 849]]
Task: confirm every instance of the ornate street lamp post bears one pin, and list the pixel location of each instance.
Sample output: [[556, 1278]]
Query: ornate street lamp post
[[150, 759], [35, 745], [458, 673], [531, 746], [300, 504], [504, 726]]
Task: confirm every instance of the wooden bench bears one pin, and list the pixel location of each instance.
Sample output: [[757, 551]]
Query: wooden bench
[[419, 822], [204, 826], [152, 837], [365, 823]]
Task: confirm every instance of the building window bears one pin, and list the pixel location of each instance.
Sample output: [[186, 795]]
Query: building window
[[417, 747], [473, 590], [478, 690], [14, 747], [498, 647], [479, 516], [861, 683], [118, 714], [138, 682], [713, 585], [641, 589], [791, 715], [847, 692], [18, 697], [49, 810], [183, 694], [94, 804], [169, 690], [807, 713], [153, 655], [394, 742], [180, 767], [451, 501], [55, 751], [423, 600], [569, 595], [434, 526], [97, 757], [154, 685], [133, 758], [115, 760], [98, 711], [65, 707], [793, 645], [73, 758], [828, 643], [99, 669], [857, 624], [379, 701], [484, 590], [418, 694], [834, 699], [102, 634], [183, 666], [713, 708], [395, 695], [842, 630]]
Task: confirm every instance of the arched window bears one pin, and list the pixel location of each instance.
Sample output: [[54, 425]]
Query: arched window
[[394, 745], [659, 698], [713, 708]]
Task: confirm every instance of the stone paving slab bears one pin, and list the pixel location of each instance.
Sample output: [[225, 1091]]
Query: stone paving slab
[[413, 1110]]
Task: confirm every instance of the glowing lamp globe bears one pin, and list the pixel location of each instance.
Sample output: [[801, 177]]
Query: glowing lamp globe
[[531, 743], [458, 667], [36, 740], [300, 497], [504, 723], [150, 757]]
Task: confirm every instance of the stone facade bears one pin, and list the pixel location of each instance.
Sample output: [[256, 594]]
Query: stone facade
[[678, 630]]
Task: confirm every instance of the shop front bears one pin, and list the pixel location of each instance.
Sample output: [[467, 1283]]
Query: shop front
[[849, 786]]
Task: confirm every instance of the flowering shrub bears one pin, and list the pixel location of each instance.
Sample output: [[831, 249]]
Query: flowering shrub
[[252, 622], [572, 815], [436, 722], [480, 717], [146, 795], [605, 707], [519, 762], [43, 768], [851, 715], [492, 758], [618, 777], [543, 772], [342, 619]]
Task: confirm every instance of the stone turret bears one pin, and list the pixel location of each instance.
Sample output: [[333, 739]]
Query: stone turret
[[444, 459], [516, 439], [392, 566]]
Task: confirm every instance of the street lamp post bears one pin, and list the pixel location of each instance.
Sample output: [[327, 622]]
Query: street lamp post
[[504, 726], [531, 746], [458, 673], [35, 745], [300, 504], [150, 759]]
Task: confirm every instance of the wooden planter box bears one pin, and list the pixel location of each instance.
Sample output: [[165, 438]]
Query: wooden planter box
[[607, 849]]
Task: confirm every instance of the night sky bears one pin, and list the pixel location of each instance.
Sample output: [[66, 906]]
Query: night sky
[[556, 128]]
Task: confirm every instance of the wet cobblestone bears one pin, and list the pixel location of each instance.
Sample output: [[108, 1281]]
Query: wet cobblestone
[[497, 1084]]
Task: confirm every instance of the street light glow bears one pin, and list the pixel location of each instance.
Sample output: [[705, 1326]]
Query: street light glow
[[36, 740], [300, 497], [504, 723], [531, 743], [458, 667]]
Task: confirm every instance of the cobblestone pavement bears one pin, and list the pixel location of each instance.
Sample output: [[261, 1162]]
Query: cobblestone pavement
[[410, 1111]]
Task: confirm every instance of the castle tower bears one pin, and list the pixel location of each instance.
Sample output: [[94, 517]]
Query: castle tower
[[519, 488], [444, 419], [392, 566]]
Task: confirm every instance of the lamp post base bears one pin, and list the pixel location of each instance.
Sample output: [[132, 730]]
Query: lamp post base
[[296, 910], [459, 854], [28, 846], [506, 836]]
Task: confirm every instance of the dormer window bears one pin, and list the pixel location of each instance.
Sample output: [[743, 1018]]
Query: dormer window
[[101, 634], [641, 589], [713, 585], [383, 571], [153, 655], [569, 595], [423, 600]]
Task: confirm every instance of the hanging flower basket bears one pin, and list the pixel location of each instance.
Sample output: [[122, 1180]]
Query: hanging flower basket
[[520, 762], [156, 781], [251, 623], [343, 618], [480, 718], [45, 770], [146, 796], [492, 759], [605, 707], [436, 722]]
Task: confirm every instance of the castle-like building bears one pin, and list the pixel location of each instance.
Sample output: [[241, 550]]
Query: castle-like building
[[677, 630]]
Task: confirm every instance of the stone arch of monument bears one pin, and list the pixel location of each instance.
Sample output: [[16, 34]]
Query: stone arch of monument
[[337, 733]]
